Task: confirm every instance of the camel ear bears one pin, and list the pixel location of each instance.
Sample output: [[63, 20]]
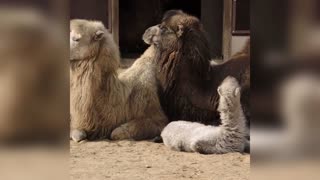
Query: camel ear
[[237, 92], [219, 91], [98, 35], [180, 30]]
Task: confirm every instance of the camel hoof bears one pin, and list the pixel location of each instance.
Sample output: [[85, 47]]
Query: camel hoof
[[120, 133], [157, 139], [78, 135]]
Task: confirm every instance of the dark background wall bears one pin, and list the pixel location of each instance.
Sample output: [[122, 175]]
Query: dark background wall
[[92, 9], [212, 19], [136, 16]]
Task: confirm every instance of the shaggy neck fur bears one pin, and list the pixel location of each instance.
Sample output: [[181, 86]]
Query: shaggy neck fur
[[173, 60], [92, 78], [188, 82], [232, 129], [182, 69], [233, 117]]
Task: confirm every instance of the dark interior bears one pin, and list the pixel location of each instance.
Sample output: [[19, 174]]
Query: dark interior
[[242, 15], [136, 16], [93, 10]]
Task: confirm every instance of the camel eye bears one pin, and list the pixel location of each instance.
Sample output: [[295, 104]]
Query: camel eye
[[163, 28]]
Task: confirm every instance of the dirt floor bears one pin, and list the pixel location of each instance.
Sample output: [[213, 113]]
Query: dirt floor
[[129, 160]]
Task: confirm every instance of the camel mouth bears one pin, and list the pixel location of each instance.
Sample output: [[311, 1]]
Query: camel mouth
[[73, 60], [88, 58]]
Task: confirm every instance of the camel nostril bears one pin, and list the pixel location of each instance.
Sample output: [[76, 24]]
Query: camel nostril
[[76, 39]]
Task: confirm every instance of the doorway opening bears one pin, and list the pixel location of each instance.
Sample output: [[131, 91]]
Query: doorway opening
[[136, 16]]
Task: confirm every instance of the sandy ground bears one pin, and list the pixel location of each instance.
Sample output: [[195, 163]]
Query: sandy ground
[[129, 160]]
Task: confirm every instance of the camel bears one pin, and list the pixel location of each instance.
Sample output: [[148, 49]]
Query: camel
[[207, 139], [104, 102], [187, 81]]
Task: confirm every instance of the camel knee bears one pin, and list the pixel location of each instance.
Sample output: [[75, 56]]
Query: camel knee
[[137, 130]]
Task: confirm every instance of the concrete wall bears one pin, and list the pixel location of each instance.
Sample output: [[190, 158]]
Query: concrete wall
[[237, 43]]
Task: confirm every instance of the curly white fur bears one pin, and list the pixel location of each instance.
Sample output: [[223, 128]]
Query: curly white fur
[[196, 137]]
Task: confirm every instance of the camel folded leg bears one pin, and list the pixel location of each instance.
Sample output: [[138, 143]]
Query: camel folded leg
[[138, 130], [78, 135]]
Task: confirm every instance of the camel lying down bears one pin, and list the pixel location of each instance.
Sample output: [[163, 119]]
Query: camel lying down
[[103, 102], [196, 137]]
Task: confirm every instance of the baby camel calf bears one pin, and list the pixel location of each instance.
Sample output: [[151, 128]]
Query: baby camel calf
[[196, 137]]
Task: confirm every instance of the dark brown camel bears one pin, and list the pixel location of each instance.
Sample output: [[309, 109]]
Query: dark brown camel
[[187, 82]]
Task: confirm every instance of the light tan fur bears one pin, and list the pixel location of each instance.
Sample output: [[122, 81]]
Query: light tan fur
[[34, 102], [105, 104]]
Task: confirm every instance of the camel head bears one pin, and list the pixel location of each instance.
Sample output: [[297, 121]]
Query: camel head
[[85, 39]]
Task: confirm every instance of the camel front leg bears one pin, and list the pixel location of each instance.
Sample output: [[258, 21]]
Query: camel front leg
[[77, 135], [138, 130]]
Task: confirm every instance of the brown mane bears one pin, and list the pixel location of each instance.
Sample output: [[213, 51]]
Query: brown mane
[[188, 84]]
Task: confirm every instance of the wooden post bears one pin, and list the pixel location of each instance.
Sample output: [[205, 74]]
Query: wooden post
[[114, 19], [227, 26]]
